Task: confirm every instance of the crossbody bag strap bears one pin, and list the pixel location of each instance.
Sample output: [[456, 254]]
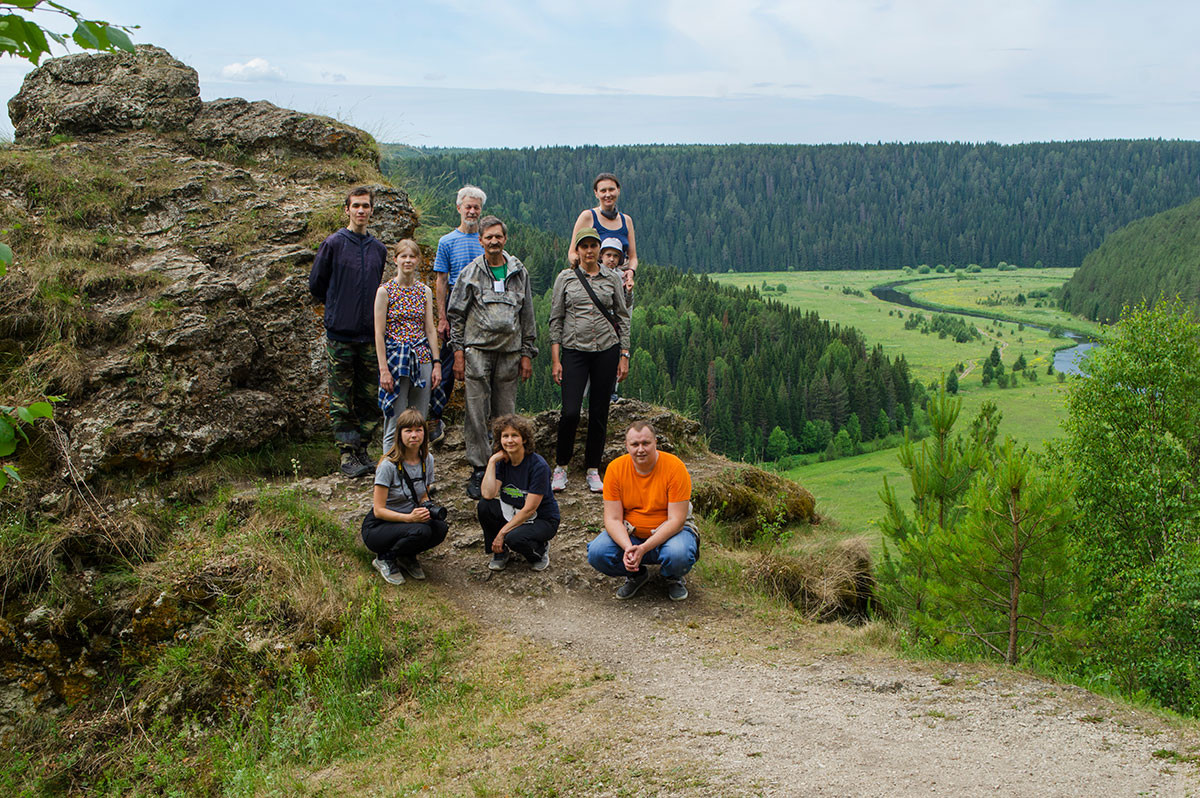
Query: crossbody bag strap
[[610, 315]]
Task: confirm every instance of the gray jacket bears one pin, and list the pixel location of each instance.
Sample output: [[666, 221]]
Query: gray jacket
[[481, 318], [576, 322]]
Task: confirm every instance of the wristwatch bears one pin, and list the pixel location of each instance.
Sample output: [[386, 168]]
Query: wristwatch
[[625, 355]]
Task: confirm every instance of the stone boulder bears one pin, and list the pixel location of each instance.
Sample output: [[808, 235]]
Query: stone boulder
[[91, 93], [261, 128]]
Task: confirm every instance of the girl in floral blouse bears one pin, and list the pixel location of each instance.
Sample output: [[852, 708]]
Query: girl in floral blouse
[[405, 341]]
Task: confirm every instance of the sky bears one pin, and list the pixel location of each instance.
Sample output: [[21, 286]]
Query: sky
[[516, 73]]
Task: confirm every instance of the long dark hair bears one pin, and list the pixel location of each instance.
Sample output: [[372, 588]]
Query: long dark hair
[[409, 419]]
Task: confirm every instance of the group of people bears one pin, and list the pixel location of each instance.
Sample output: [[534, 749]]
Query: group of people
[[478, 327]]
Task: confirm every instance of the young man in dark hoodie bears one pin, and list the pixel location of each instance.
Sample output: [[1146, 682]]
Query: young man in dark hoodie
[[345, 276]]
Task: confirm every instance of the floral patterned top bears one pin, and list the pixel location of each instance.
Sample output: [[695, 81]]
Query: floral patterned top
[[406, 316]]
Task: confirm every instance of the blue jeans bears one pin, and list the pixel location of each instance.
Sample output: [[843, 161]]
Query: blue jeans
[[676, 555]]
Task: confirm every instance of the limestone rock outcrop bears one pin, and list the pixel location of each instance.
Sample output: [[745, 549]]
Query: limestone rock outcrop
[[92, 93], [160, 281], [88, 94]]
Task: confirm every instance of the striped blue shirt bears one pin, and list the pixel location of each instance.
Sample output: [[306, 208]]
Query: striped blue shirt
[[454, 251]]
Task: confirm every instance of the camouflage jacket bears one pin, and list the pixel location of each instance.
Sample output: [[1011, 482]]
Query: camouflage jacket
[[482, 318]]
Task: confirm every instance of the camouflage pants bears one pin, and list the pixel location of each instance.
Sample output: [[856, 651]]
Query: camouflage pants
[[353, 392]]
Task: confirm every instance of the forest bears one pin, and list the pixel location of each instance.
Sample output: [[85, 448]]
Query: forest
[[716, 209], [744, 366], [1148, 259]]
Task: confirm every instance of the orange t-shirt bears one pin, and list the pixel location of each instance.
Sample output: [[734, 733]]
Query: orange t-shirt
[[645, 498]]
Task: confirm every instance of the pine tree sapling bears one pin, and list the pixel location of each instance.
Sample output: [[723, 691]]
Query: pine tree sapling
[[1008, 577], [940, 471]]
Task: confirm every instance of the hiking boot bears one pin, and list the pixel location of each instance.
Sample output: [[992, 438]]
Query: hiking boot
[[543, 562], [473, 484], [594, 483], [558, 480], [676, 589], [500, 561], [411, 566], [353, 467], [633, 584], [438, 432], [388, 570], [366, 460]]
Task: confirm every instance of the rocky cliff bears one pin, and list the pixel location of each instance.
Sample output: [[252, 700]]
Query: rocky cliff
[[162, 250]]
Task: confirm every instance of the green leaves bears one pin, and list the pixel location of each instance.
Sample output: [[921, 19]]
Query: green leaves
[[1133, 447], [11, 419], [27, 39]]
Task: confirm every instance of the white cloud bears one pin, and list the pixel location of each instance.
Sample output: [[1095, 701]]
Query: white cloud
[[256, 69]]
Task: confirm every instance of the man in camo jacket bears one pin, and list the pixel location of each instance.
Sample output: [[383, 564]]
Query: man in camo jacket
[[492, 330]]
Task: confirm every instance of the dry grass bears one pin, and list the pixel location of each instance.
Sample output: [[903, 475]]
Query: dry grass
[[826, 580], [744, 500]]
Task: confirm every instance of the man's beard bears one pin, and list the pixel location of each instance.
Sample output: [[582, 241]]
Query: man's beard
[[471, 226]]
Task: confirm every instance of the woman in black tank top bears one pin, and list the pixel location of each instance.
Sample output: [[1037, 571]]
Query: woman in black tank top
[[609, 222]]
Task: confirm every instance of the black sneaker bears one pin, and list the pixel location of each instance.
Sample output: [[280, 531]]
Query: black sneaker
[[438, 432], [353, 467], [411, 567], [633, 584], [473, 484], [388, 570], [676, 589]]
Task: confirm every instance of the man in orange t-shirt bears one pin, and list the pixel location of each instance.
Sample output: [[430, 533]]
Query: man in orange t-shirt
[[647, 517]]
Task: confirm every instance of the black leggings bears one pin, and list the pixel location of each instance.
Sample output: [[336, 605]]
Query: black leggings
[[398, 539], [578, 367], [529, 539]]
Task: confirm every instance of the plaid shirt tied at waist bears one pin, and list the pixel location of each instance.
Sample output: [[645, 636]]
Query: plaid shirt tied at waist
[[401, 362]]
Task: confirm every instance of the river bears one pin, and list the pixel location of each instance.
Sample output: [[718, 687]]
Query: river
[[1065, 360]]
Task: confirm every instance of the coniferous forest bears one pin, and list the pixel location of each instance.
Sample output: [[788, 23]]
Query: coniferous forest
[[1148, 259], [744, 366], [850, 206]]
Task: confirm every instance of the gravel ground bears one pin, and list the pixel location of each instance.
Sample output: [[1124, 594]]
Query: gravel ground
[[769, 712]]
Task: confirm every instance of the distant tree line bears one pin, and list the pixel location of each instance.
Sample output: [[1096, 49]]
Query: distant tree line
[[779, 207], [1138, 264]]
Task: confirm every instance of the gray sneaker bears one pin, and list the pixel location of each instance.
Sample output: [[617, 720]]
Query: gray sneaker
[[633, 584], [543, 562], [498, 562], [676, 589], [411, 567], [388, 570]]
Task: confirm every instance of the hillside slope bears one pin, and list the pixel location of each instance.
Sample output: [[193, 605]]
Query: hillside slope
[[1154, 257]]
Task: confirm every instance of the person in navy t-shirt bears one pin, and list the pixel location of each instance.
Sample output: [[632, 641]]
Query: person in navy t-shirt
[[518, 511]]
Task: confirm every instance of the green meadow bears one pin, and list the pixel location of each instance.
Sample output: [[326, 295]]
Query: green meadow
[[847, 490]]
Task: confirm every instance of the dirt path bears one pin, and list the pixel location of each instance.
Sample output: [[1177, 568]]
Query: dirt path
[[765, 706], [971, 364]]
